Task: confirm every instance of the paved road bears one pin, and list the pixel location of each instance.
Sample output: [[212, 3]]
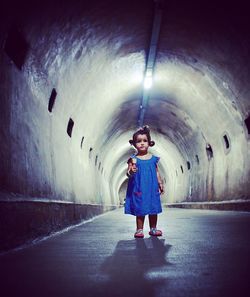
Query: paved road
[[201, 253]]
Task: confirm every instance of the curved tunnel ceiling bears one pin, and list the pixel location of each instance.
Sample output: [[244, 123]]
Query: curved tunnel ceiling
[[94, 54]]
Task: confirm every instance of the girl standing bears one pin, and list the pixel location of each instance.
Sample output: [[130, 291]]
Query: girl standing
[[145, 184]]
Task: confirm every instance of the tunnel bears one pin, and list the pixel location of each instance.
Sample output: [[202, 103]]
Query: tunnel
[[72, 94]]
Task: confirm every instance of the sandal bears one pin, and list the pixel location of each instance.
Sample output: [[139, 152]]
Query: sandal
[[155, 232], [139, 234]]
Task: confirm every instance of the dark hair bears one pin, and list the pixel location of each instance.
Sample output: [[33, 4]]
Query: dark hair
[[141, 131]]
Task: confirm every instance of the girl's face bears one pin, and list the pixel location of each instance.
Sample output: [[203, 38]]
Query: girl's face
[[141, 143]]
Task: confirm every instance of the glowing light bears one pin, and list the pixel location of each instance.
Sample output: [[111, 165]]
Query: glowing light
[[148, 81], [137, 77]]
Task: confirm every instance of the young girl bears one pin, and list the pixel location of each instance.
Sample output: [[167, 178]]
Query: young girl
[[144, 185]]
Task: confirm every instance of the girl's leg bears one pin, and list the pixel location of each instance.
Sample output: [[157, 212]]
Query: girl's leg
[[152, 221], [139, 227], [152, 224], [140, 222]]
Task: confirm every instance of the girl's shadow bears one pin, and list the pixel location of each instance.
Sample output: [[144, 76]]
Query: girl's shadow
[[135, 268]]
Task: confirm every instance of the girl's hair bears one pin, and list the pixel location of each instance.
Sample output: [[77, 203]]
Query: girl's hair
[[144, 130]]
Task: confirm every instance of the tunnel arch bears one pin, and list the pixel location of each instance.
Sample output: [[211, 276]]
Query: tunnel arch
[[86, 62]]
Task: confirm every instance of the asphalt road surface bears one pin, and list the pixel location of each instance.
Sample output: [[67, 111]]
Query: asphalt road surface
[[201, 253]]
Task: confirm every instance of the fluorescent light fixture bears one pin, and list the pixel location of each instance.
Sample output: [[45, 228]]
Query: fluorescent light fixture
[[148, 80]]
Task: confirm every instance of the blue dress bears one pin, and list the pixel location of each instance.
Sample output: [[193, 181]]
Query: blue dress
[[143, 197]]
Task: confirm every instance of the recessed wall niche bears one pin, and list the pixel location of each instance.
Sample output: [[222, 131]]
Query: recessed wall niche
[[209, 151], [226, 142], [52, 100], [247, 123], [82, 142], [90, 152], [16, 46], [70, 127]]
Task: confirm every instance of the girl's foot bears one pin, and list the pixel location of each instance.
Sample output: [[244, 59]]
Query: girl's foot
[[139, 234], [155, 232]]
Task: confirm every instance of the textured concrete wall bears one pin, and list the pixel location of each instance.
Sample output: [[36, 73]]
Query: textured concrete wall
[[24, 222], [92, 54]]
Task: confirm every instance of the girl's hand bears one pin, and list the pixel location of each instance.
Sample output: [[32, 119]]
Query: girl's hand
[[161, 188], [131, 169]]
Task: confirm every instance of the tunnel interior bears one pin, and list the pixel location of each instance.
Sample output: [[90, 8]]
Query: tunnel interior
[[71, 91]]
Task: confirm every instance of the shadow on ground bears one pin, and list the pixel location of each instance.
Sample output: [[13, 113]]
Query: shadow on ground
[[134, 268]]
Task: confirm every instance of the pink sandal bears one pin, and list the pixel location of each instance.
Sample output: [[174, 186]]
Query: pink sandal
[[155, 232], [139, 234]]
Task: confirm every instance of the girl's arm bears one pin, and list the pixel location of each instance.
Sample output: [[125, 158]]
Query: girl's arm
[[129, 169], [160, 182]]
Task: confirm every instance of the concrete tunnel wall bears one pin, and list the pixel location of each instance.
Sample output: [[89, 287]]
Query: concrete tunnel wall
[[92, 54]]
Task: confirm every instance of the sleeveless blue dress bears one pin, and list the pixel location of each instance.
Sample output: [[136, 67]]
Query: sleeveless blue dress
[[143, 197]]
